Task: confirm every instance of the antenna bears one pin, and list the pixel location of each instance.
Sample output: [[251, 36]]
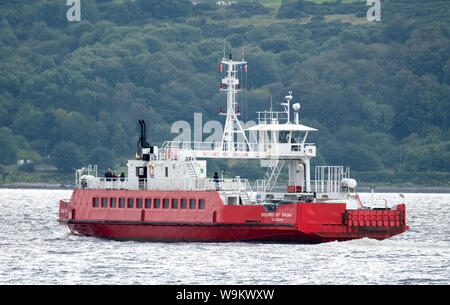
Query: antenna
[[230, 83], [224, 48], [287, 105]]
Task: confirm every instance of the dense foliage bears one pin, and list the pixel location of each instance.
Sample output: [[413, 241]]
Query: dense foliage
[[74, 91]]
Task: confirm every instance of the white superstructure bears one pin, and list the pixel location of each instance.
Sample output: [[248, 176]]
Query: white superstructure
[[280, 142]]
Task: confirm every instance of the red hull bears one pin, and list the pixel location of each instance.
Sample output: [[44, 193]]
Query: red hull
[[209, 220]]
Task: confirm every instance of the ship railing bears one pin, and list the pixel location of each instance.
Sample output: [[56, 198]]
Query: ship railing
[[203, 184], [135, 184], [261, 185], [198, 184], [179, 150], [317, 186], [326, 186], [232, 184], [172, 146], [269, 117], [292, 187], [328, 178], [103, 183]]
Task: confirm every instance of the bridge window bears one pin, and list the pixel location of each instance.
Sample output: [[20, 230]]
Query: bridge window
[[148, 203], [130, 202], [139, 203], [104, 202], [112, 202], [183, 203], [297, 137], [201, 204], [121, 202], [95, 202], [283, 137], [174, 203]]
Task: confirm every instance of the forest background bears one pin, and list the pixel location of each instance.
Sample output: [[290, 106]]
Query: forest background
[[71, 93]]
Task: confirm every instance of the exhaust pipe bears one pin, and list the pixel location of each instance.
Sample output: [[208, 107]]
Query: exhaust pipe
[[142, 143]]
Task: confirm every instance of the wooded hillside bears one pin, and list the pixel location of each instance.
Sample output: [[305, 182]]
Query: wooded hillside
[[71, 93]]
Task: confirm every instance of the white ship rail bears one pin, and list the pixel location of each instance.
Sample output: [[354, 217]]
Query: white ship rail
[[270, 117], [317, 186], [185, 184], [326, 186], [206, 184], [176, 150], [208, 146]]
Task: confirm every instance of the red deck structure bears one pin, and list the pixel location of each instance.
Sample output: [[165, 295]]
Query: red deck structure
[[201, 216]]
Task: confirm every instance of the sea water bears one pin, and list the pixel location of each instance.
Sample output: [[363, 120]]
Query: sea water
[[35, 249]]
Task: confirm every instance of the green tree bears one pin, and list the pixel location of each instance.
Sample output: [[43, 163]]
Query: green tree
[[7, 35], [264, 69], [102, 157], [8, 146], [66, 156], [29, 122]]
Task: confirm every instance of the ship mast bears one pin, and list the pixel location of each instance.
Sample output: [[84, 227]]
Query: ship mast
[[230, 84]]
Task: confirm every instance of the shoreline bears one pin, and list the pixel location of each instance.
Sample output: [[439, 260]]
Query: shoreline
[[399, 189], [37, 185], [380, 189]]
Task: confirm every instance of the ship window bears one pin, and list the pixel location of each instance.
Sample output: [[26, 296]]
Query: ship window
[[167, 171], [104, 202], [174, 203], [139, 203], [156, 202], [283, 137], [183, 203], [192, 203], [148, 203], [201, 204], [165, 203], [130, 202], [121, 202], [113, 202], [95, 202], [297, 137]]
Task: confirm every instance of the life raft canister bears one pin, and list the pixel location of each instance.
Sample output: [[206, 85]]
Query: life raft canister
[[151, 171]]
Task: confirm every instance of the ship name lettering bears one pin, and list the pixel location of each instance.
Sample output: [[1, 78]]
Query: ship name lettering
[[278, 219], [267, 214]]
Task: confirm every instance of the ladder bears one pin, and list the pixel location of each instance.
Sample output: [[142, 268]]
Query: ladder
[[190, 167], [245, 197], [272, 175]]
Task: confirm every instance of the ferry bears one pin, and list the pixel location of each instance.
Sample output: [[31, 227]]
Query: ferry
[[167, 194]]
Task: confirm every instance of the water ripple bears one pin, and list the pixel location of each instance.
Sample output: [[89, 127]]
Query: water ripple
[[36, 250]]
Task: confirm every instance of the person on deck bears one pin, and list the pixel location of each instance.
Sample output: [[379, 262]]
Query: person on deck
[[108, 175], [216, 180]]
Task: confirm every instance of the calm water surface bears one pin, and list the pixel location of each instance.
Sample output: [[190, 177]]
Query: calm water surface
[[34, 249]]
